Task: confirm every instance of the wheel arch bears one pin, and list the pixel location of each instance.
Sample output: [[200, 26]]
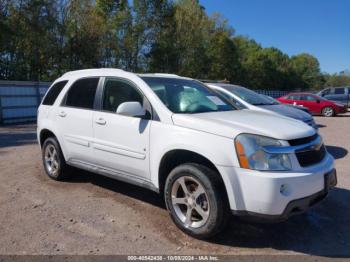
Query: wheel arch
[[46, 133], [176, 157]]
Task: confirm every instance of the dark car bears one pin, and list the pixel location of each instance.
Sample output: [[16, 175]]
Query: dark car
[[338, 94], [316, 104]]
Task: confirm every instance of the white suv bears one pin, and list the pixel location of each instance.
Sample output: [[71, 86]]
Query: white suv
[[175, 136]]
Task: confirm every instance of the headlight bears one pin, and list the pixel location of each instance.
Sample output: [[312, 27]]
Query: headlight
[[340, 105], [251, 154]]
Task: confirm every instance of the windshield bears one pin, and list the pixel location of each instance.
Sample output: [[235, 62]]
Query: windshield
[[187, 96], [249, 96]]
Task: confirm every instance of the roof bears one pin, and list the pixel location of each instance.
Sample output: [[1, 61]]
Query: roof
[[300, 93], [222, 84], [165, 75], [113, 71], [98, 71]]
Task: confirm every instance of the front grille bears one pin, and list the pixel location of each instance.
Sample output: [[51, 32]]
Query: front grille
[[301, 141], [311, 157]]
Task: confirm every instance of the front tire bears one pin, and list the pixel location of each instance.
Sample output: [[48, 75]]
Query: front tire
[[196, 200], [53, 160], [328, 111]]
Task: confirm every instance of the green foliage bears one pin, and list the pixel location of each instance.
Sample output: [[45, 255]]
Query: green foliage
[[42, 39], [341, 79], [307, 69]]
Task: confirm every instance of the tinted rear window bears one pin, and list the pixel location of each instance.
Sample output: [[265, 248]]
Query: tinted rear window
[[82, 93], [53, 93], [339, 91]]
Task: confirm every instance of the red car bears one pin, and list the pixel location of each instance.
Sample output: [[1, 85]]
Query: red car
[[316, 104]]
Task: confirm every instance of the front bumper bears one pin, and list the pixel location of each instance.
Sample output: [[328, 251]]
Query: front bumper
[[342, 110], [271, 193], [294, 207]]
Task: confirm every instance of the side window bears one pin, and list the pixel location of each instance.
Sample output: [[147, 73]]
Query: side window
[[53, 93], [294, 97], [82, 93], [117, 92], [326, 92], [339, 91], [310, 98]]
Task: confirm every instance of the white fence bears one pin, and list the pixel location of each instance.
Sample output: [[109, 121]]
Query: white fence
[[19, 100]]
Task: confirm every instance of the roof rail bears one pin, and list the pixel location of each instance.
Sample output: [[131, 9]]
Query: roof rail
[[214, 81], [73, 72], [165, 74]]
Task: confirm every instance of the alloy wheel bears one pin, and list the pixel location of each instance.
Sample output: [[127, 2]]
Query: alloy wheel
[[190, 201], [51, 159]]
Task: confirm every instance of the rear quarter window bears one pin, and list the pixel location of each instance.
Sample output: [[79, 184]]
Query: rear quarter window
[[53, 93], [339, 91]]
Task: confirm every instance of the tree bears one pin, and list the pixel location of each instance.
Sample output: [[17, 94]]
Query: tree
[[28, 52], [84, 31], [222, 52], [307, 68], [41, 39], [335, 80], [191, 38]]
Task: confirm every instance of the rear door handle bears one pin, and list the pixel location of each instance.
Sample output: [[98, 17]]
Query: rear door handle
[[100, 121], [62, 114]]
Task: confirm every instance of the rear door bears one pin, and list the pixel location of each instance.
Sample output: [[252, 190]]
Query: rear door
[[121, 143], [311, 102], [74, 120]]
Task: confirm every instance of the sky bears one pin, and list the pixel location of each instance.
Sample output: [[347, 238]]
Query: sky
[[317, 27]]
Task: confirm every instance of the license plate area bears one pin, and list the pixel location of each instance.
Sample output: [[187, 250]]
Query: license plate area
[[330, 180]]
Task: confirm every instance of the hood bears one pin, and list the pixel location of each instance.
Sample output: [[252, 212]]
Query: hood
[[288, 111], [231, 123]]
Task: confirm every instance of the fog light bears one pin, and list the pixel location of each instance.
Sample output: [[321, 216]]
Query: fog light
[[285, 190]]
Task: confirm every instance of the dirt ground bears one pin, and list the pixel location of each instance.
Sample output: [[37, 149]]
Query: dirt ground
[[91, 214]]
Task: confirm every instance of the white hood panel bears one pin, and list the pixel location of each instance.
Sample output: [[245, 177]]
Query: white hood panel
[[232, 123]]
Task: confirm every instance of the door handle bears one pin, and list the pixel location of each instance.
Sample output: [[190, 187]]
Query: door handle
[[101, 121], [62, 114]]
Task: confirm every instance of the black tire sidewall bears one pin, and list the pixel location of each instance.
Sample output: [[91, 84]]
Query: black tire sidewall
[[217, 202]]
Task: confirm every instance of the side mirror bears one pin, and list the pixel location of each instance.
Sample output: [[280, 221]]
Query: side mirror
[[318, 101], [131, 109]]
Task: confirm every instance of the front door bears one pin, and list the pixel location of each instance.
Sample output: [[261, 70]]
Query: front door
[[121, 143]]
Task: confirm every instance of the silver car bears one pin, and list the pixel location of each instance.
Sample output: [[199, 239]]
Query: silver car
[[245, 97]]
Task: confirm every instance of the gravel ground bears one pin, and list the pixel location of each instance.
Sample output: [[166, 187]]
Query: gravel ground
[[91, 214]]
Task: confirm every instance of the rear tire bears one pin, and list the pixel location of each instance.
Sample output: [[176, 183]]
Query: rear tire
[[328, 111], [196, 200], [53, 160]]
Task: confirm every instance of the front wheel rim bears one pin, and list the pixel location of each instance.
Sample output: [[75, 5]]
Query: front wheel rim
[[51, 160], [190, 202], [328, 111]]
